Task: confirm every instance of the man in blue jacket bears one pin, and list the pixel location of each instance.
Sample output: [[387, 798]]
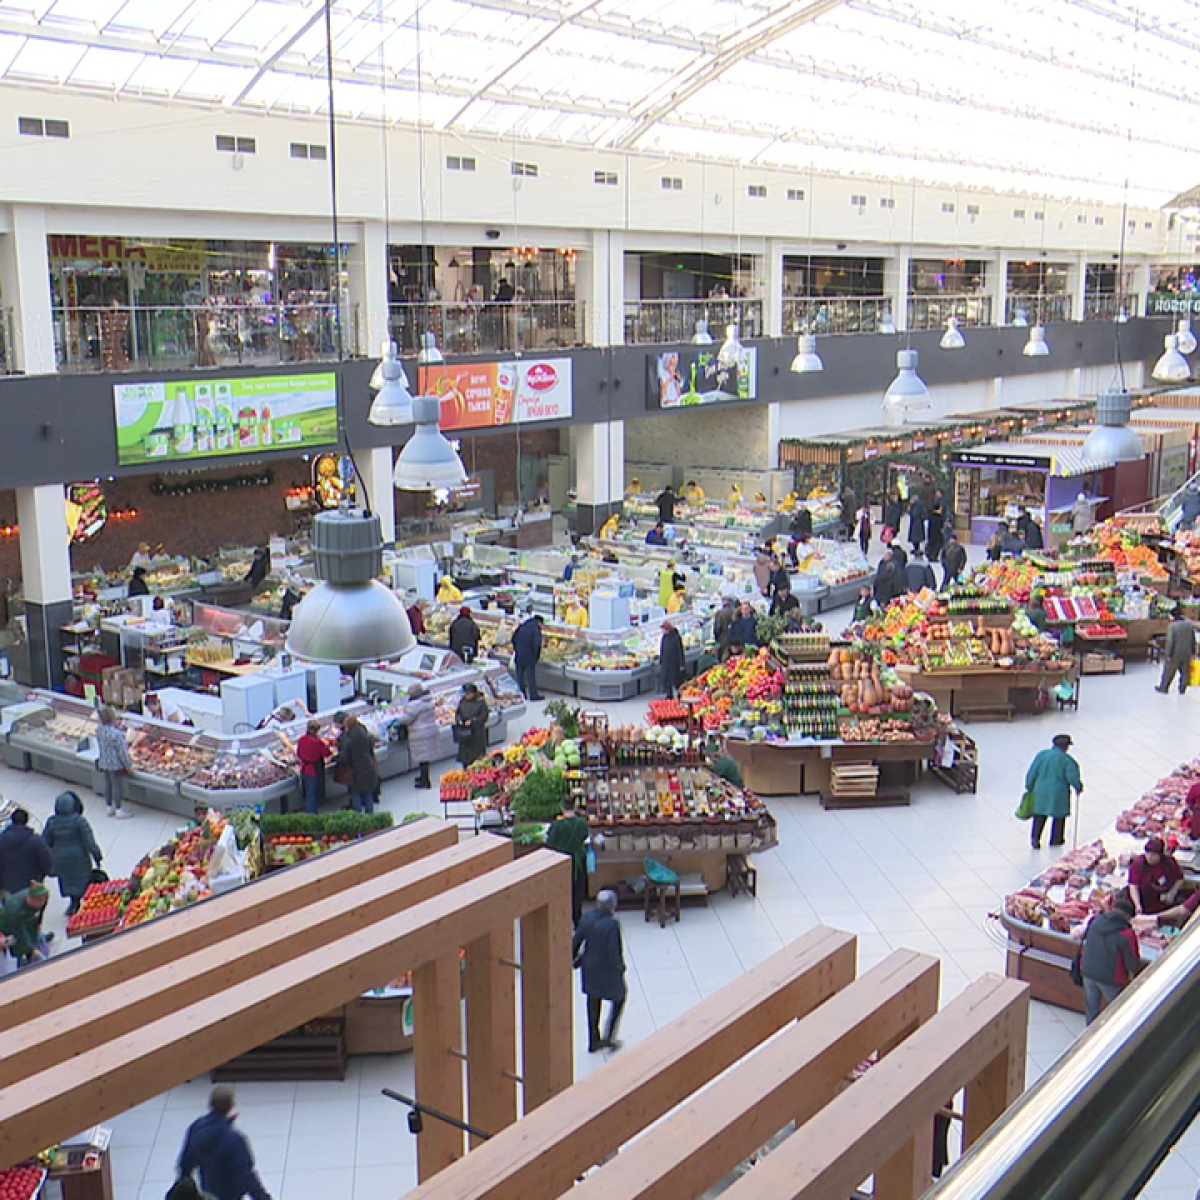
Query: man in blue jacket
[[527, 652], [221, 1153]]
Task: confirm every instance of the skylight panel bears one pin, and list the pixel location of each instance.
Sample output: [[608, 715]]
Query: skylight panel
[[106, 68], [44, 60]]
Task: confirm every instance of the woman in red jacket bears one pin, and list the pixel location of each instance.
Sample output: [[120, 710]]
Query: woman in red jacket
[[312, 752]]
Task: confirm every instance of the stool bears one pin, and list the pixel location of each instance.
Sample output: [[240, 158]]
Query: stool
[[660, 881], [741, 875]]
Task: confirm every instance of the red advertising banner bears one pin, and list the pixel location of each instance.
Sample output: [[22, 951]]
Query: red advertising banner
[[478, 395]]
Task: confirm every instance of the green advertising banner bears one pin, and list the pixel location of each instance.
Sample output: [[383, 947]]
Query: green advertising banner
[[188, 419]]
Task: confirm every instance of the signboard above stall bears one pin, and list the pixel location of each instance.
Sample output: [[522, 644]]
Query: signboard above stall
[[690, 375], [188, 419], [486, 394]]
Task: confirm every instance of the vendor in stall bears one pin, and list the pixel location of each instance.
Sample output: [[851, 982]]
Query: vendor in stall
[[155, 704], [693, 493], [678, 601], [137, 583], [447, 593], [608, 530], [576, 614], [260, 567], [142, 556], [864, 607], [287, 604], [1155, 879], [725, 767], [1035, 610]]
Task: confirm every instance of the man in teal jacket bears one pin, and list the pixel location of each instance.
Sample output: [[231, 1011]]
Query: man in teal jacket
[[1051, 776]]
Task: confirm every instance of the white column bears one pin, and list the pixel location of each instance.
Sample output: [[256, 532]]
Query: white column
[[46, 578], [896, 285], [1076, 284], [600, 279], [367, 268], [1139, 285], [996, 286], [25, 289], [375, 474], [600, 463], [773, 300]]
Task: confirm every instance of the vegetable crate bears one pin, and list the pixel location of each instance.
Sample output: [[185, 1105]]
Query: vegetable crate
[[957, 762]]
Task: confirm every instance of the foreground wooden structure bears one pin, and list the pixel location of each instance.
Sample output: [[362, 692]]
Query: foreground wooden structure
[[674, 1115], [97, 1031]]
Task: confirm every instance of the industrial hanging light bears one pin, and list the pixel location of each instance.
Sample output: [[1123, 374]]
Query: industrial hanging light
[[428, 460], [702, 337], [1036, 346], [953, 339], [1185, 339], [907, 392], [1172, 367], [1122, 317], [807, 360], [732, 353], [1112, 441], [887, 323], [1020, 318], [429, 354], [393, 405], [349, 618]]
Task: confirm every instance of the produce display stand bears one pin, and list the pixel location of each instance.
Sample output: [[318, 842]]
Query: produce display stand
[[86, 1174], [973, 693], [380, 1022], [313, 1051]]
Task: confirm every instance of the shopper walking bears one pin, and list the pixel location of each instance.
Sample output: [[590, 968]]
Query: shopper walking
[[670, 660], [802, 523], [1051, 776], [864, 528], [470, 725], [598, 950], [722, 620], [312, 751], [21, 923], [74, 847], [918, 515], [665, 502], [935, 530], [421, 719], [24, 856], [113, 760], [954, 560], [464, 636], [780, 579], [221, 1153], [356, 758], [569, 835], [919, 574], [1110, 957], [893, 514], [1179, 652], [762, 570], [783, 602], [527, 653], [849, 502], [889, 580], [744, 630]]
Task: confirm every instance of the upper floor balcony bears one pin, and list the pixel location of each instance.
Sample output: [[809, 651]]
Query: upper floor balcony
[[676, 320], [481, 327]]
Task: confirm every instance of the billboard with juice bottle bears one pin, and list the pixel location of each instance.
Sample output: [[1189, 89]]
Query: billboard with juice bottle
[[186, 419], [476, 395]]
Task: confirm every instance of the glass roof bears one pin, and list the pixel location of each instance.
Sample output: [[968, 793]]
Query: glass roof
[[1067, 97]]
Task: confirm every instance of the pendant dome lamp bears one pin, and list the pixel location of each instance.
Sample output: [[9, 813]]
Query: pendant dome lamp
[[1020, 318], [702, 337], [1036, 347], [428, 461], [429, 354], [807, 360], [1172, 367], [953, 339], [393, 405], [887, 323], [1122, 317], [732, 353], [1185, 339], [907, 392], [1112, 441]]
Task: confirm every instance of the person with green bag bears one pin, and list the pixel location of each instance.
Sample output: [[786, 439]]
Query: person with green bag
[[1049, 780]]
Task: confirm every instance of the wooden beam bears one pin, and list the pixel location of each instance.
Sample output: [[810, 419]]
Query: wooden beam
[[547, 1044], [437, 1022], [491, 1032], [116, 1075], [540, 1157], [999, 1085], [792, 1076], [877, 1116], [69, 1030], [71, 977]]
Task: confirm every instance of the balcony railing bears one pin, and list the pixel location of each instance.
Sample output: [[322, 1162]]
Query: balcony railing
[[675, 320], [184, 337], [835, 314], [482, 326], [7, 365], [1105, 306], [932, 312], [1035, 308]]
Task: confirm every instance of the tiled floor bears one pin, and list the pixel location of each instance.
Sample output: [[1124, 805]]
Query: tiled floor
[[923, 877]]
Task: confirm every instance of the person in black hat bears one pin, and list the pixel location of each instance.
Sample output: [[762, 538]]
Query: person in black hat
[[138, 585], [1051, 776]]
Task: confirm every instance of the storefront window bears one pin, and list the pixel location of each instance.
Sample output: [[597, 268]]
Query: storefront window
[[952, 276], [1031, 277], [830, 275]]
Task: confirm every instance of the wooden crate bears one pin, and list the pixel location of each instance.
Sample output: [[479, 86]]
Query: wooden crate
[[854, 779]]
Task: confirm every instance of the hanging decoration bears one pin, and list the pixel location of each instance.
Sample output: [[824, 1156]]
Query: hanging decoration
[[197, 487], [87, 512]]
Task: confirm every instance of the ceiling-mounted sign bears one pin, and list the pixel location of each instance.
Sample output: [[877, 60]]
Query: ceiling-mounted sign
[[691, 375], [480, 395], [985, 458], [205, 418], [1173, 304]]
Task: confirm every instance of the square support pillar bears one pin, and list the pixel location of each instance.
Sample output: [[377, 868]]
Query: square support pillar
[[600, 282], [547, 1055], [773, 300], [367, 268], [437, 1020], [490, 980], [375, 471], [599, 473], [46, 577], [25, 288]]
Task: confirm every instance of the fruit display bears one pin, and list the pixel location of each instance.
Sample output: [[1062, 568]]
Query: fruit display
[[1102, 631], [723, 691], [973, 599], [1069, 609], [1187, 551], [662, 712], [99, 908], [955, 655], [874, 729], [21, 1183], [289, 838], [157, 755], [1120, 546]]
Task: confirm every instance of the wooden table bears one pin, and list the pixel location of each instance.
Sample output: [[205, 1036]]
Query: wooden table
[[986, 688], [775, 769]]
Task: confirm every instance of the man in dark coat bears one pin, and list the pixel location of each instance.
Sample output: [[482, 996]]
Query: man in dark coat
[[889, 580], [919, 574], [744, 630], [527, 653], [221, 1153], [1179, 652], [849, 502], [670, 659], [722, 620], [666, 501], [598, 950], [138, 585], [783, 602], [893, 513], [1110, 957], [24, 856], [779, 579], [918, 514], [260, 568], [954, 560], [935, 530], [464, 635], [802, 525]]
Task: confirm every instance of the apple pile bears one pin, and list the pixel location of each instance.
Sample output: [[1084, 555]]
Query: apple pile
[[100, 906], [21, 1183]]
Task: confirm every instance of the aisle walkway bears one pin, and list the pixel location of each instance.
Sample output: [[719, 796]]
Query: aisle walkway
[[924, 877]]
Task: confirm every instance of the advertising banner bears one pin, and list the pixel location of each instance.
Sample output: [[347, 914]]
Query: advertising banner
[[477, 395], [187, 419], [690, 375]]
